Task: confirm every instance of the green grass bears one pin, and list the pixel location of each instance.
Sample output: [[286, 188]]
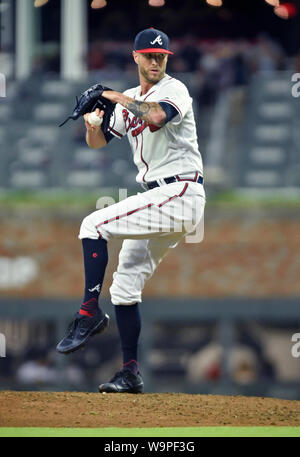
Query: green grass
[[59, 198], [253, 198], [151, 432], [54, 198]]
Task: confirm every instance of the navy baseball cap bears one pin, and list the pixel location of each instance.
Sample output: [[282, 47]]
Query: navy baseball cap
[[152, 40]]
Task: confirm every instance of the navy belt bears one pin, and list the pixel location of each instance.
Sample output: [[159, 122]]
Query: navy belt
[[152, 184]]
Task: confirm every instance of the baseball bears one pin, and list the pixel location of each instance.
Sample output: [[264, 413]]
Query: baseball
[[93, 119]]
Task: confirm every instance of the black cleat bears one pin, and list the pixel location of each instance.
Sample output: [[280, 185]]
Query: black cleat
[[124, 381], [81, 329]]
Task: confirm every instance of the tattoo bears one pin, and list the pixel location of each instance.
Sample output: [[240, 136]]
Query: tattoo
[[143, 110], [140, 109]]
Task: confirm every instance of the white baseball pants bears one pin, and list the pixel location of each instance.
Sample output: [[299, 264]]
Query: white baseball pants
[[150, 223]]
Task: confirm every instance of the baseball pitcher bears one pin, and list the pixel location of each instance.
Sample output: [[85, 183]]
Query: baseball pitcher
[[157, 118]]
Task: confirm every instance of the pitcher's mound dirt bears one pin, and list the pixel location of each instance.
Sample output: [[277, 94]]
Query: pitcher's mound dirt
[[75, 409]]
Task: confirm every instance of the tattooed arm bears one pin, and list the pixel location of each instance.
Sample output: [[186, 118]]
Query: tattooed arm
[[150, 112]]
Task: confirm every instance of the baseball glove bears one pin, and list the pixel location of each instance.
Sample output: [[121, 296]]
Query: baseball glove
[[89, 101]]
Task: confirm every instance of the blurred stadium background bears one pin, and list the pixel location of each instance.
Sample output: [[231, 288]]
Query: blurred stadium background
[[218, 317]]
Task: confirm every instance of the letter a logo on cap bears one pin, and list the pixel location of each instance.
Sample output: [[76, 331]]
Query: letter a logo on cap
[[157, 40], [152, 40]]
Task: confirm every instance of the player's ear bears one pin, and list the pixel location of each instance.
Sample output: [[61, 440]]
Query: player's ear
[[135, 56]]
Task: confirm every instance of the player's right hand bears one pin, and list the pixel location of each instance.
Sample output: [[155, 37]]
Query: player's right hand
[[93, 128]]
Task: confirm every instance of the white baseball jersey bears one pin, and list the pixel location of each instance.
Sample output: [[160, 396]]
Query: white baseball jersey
[[166, 151]]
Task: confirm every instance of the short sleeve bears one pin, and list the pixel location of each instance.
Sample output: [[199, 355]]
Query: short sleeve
[[117, 124], [178, 96]]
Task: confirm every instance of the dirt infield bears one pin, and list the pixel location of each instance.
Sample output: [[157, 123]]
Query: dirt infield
[[75, 409]]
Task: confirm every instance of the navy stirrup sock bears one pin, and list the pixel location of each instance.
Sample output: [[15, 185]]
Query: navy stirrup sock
[[95, 257], [129, 324]]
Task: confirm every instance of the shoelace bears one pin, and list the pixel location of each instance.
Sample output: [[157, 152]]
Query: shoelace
[[83, 321], [126, 374], [72, 327], [116, 376]]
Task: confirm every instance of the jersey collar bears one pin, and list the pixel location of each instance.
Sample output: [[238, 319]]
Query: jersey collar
[[152, 89]]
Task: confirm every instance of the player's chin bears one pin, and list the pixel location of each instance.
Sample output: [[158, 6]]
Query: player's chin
[[154, 76]]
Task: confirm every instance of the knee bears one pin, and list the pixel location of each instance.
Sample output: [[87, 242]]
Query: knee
[[126, 305], [88, 229], [123, 294]]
